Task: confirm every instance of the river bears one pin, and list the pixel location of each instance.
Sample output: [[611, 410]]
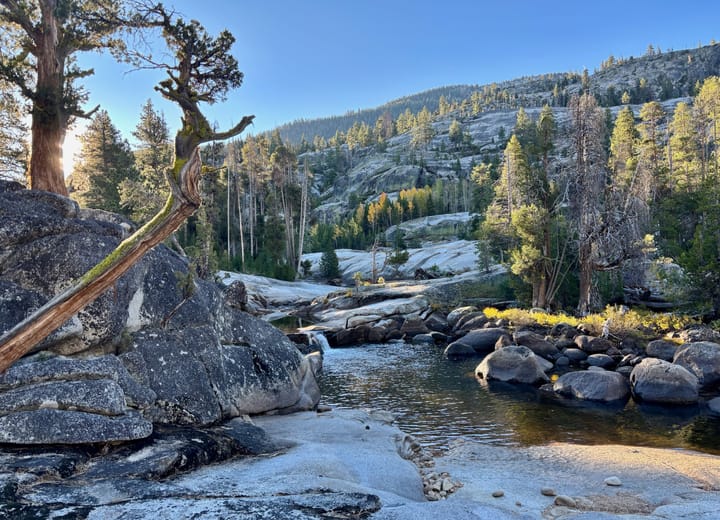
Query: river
[[437, 400]]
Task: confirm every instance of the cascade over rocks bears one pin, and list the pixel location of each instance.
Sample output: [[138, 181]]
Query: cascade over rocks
[[143, 352]]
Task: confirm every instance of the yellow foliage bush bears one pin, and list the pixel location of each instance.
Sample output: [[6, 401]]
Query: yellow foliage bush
[[621, 321]]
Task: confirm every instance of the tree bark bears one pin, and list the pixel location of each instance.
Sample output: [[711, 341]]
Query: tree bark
[[182, 202], [49, 119]]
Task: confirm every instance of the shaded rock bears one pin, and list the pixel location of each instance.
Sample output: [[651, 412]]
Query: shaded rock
[[101, 396], [562, 361], [423, 339], [702, 359], [458, 350], [697, 333], [351, 336], [481, 341], [563, 329], [48, 426], [600, 360], [437, 322], [714, 405], [198, 381], [169, 451], [548, 492], [593, 386], [592, 345], [474, 320], [575, 355], [657, 381], [661, 349], [537, 343], [625, 371], [236, 295], [454, 316], [413, 326], [512, 364], [503, 341], [440, 338]]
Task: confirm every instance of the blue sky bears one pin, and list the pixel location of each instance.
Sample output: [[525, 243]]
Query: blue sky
[[313, 58]]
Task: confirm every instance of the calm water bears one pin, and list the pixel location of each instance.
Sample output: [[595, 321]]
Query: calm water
[[438, 399]]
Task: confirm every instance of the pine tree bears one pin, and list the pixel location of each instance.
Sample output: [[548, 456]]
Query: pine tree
[[13, 129], [623, 155], [146, 195], [104, 162], [329, 264], [683, 151], [423, 131]]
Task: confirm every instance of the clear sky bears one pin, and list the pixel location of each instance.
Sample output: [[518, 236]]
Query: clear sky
[[313, 58]]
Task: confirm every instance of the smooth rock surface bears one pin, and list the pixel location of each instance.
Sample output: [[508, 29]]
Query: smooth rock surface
[[512, 364], [702, 359], [593, 386], [656, 381]]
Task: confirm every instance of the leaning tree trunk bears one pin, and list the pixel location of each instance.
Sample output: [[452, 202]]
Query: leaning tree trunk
[[182, 202]]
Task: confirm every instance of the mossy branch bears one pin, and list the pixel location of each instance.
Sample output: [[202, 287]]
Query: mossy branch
[[182, 202]]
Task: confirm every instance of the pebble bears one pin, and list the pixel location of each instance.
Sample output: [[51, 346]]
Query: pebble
[[613, 481], [548, 492], [564, 500], [499, 493]]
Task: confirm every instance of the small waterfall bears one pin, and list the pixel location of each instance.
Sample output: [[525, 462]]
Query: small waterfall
[[318, 338]]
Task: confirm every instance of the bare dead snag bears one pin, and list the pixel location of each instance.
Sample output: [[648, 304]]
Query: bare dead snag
[[182, 202]]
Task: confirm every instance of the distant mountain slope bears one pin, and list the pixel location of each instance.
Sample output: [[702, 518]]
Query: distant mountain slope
[[658, 76]]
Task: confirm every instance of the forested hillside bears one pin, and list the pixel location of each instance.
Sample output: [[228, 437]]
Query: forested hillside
[[655, 75], [581, 184]]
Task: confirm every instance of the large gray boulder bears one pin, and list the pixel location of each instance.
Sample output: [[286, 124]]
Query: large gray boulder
[[512, 364], [593, 385], [481, 340], [656, 381], [144, 351], [702, 359]]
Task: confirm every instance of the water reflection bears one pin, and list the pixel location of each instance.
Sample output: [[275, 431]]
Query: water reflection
[[438, 400]]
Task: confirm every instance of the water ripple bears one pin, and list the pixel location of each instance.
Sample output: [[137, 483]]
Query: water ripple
[[438, 400]]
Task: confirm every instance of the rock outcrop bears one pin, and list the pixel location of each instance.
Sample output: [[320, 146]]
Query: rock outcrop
[[143, 352]]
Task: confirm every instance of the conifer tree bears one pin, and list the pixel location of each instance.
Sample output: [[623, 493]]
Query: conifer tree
[[144, 196], [105, 160], [43, 66], [623, 155]]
